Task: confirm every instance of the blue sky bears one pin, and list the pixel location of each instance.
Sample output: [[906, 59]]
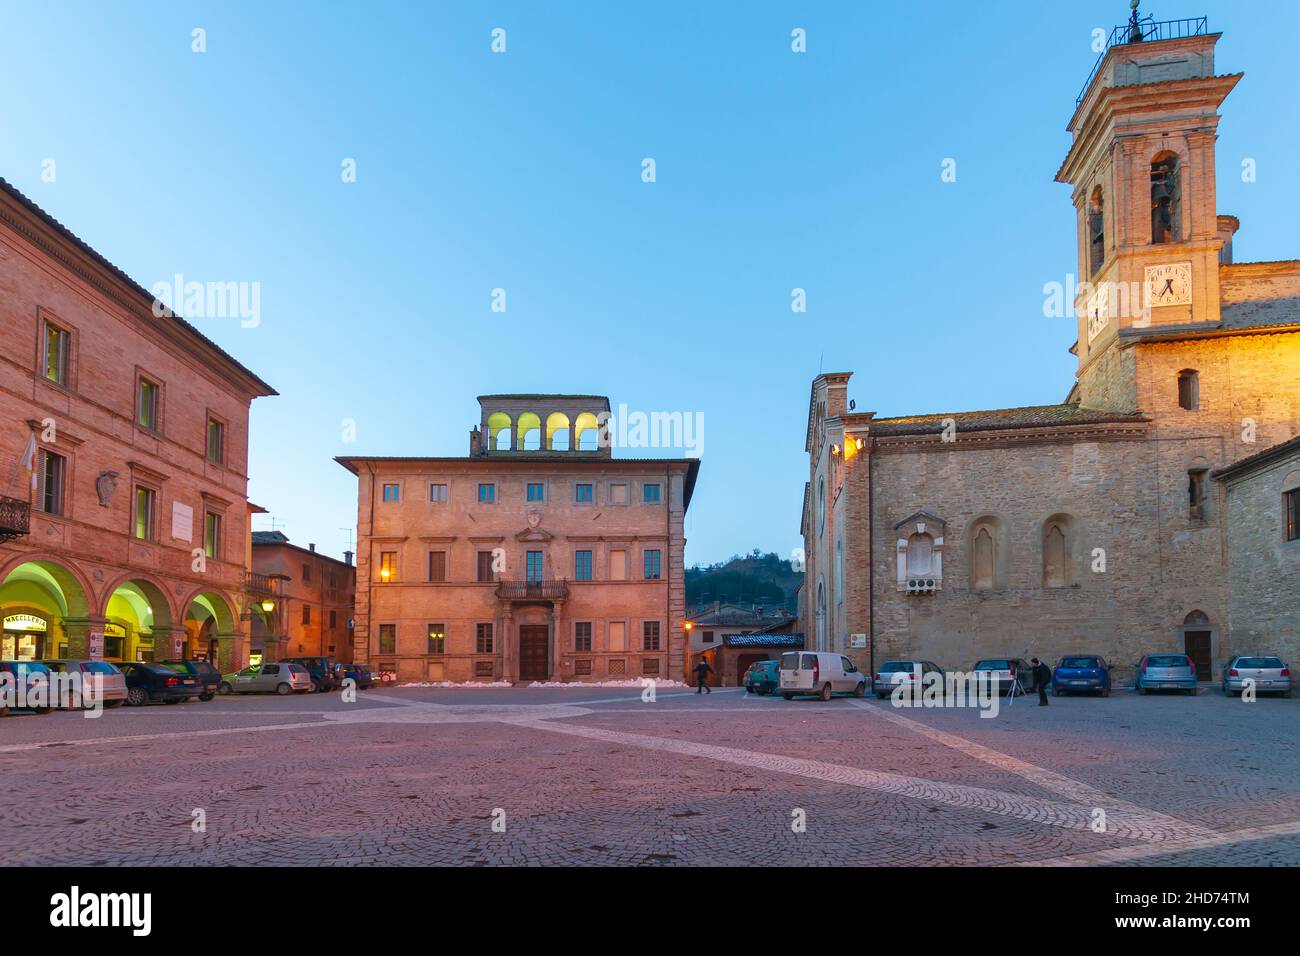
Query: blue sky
[[522, 171]]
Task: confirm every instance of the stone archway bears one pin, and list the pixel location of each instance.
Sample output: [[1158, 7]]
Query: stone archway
[[44, 608], [141, 607], [212, 628]]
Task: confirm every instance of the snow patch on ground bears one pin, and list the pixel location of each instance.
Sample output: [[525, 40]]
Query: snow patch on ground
[[468, 683]]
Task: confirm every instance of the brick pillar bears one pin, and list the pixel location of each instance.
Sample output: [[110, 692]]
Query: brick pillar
[[228, 651], [168, 642], [557, 639], [507, 643], [76, 633]]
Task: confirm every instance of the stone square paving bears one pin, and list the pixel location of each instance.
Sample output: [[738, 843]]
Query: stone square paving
[[597, 776]]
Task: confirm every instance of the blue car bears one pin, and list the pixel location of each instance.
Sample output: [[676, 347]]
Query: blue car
[[1081, 672], [762, 677]]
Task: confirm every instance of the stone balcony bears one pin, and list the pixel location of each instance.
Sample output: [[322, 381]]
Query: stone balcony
[[15, 518]]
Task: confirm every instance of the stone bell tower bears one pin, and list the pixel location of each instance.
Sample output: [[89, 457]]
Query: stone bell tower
[[1142, 167]]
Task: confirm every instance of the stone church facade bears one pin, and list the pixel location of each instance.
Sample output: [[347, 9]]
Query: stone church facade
[[1097, 524]]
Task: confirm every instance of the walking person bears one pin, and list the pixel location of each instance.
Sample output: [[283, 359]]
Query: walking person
[[1042, 677], [702, 671]]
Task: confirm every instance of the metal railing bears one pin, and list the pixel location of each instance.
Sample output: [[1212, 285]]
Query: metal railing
[[532, 590], [1145, 31], [15, 518]]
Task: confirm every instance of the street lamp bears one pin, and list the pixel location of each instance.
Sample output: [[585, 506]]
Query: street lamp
[[268, 605]]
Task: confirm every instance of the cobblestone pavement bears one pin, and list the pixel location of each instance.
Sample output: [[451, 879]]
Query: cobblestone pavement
[[597, 776]]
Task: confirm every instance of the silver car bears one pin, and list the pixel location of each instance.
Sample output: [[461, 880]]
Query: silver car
[[1270, 674], [280, 677], [1166, 672], [101, 679]]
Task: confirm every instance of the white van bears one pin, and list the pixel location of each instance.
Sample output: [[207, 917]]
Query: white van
[[820, 673]]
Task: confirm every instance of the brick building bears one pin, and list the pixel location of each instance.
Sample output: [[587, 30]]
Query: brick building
[[312, 599], [539, 556], [711, 630], [1093, 524], [1262, 495], [123, 461]]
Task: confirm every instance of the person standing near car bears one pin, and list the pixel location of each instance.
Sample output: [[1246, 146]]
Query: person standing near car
[[702, 671], [1042, 677]]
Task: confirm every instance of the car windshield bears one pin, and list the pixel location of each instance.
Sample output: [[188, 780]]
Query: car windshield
[[1080, 662], [1167, 660], [890, 667], [998, 665], [100, 667], [1274, 662]]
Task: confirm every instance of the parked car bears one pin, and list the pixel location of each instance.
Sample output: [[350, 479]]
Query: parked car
[[1009, 670], [1081, 672], [99, 677], [147, 682], [205, 671], [762, 677], [821, 674], [278, 677], [1166, 672], [1270, 674], [913, 672], [25, 678], [360, 673], [325, 674]]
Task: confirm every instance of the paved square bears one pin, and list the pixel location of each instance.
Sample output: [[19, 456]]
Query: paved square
[[596, 776]]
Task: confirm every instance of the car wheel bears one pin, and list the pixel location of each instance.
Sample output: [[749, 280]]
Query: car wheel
[[208, 696], [1060, 692], [137, 697], [282, 689], [861, 690], [788, 696], [225, 690], [826, 693], [1105, 692], [317, 687], [1142, 691], [748, 689], [42, 710]]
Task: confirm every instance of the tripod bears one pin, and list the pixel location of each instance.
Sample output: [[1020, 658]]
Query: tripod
[[1014, 691]]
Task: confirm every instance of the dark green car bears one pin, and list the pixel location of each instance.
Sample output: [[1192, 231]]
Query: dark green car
[[762, 677]]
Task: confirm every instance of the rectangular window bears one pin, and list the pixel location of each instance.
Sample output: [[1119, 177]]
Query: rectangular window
[[54, 353], [387, 638], [216, 442], [652, 565], [334, 619], [306, 613], [650, 665], [582, 636], [211, 534], [483, 669], [582, 668], [306, 573], [582, 566], [535, 566], [1196, 493], [437, 639], [650, 494], [650, 632], [1291, 500], [483, 639], [387, 566], [146, 414], [583, 493], [487, 494], [437, 566], [53, 477], [485, 566], [438, 493], [536, 491], [618, 494], [144, 511], [392, 492]]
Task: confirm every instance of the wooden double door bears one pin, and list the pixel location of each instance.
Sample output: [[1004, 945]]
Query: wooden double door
[[534, 659]]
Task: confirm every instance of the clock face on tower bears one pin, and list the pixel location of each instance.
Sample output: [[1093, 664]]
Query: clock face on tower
[[1169, 284]]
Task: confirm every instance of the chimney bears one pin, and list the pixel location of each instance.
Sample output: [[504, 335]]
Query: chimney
[[347, 558], [475, 441], [311, 548]]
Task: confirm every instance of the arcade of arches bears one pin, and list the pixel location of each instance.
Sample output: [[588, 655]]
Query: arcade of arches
[[48, 611]]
